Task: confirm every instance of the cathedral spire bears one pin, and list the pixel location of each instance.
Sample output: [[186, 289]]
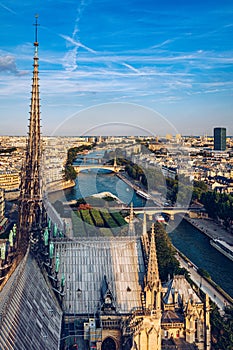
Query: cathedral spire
[[152, 269], [207, 322], [131, 224], [144, 227], [30, 201], [115, 162]]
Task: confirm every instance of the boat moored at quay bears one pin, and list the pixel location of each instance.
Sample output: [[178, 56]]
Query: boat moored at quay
[[223, 247], [143, 194]]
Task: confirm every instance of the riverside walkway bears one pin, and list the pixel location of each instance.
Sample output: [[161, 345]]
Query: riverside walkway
[[211, 229], [218, 296]]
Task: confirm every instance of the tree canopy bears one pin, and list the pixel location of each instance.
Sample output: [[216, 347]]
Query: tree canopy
[[69, 172], [218, 205], [222, 329], [167, 262]]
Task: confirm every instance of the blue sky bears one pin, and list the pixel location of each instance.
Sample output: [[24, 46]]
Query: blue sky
[[173, 57]]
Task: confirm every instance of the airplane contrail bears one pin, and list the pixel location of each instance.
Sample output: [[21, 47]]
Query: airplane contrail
[[77, 43], [7, 8], [131, 67]]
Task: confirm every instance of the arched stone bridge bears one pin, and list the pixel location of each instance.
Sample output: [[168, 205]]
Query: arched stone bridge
[[171, 211], [113, 168]]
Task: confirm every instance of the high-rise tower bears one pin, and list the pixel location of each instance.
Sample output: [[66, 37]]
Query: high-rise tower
[[219, 139], [30, 201]]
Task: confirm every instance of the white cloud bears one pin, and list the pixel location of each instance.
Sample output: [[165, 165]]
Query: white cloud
[[69, 61], [7, 64]]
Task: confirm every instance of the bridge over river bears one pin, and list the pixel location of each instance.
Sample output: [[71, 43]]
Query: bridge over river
[[171, 211], [150, 211], [113, 168]]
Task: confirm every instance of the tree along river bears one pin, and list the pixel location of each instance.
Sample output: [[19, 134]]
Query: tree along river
[[185, 237]]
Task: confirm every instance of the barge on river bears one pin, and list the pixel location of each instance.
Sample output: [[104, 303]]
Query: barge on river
[[223, 247]]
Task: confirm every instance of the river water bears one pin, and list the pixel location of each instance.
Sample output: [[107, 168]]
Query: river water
[[196, 246], [185, 237], [100, 180]]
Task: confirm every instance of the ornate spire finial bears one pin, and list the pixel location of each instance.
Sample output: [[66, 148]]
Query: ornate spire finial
[[36, 30], [36, 44], [153, 231], [131, 224], [144, 227], [131, 213]]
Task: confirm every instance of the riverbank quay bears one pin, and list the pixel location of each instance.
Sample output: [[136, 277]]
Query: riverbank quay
[[59, 185], [140, 190], [210, 228], [216, 293], [128, 181]]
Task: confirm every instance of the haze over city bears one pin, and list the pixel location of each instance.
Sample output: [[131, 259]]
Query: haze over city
[[171, 57]]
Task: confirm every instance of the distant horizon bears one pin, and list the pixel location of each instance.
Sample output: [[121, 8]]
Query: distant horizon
[[172, 57], [123, 136]]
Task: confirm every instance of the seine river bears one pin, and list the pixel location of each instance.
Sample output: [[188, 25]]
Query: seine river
[[185, 237]]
